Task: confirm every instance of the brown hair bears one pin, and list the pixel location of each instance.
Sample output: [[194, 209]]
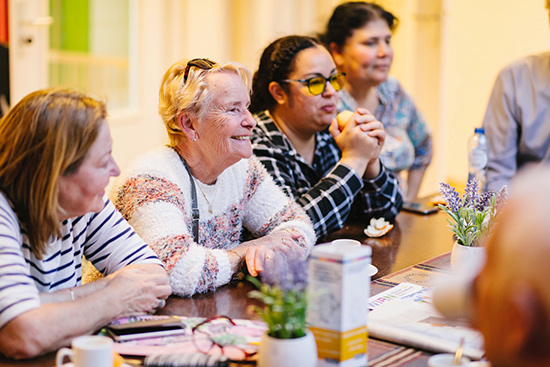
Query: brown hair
[[348, 17], [44, 136]]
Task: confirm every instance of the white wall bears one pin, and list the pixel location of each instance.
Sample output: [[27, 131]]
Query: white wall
[[483, 36]]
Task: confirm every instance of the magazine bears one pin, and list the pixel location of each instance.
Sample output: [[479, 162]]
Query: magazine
[[236, 336], [405, 315]]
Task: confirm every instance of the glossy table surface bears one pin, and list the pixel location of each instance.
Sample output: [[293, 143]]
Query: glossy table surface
[[415, 238]]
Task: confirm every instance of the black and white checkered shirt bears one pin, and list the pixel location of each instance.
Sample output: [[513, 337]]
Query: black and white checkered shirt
[[327, 189]]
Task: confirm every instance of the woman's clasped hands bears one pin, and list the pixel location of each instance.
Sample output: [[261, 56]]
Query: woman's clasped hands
[[360, 138]]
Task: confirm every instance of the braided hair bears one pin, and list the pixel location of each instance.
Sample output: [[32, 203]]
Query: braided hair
[[276, 64]]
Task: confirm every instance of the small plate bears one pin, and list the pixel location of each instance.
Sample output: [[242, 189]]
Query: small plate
[[446, 360], [372, 270]]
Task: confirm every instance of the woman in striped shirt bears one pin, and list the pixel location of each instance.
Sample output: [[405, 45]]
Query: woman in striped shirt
[[55, 162]]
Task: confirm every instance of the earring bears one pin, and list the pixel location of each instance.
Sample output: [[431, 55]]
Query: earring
[[194, 140]]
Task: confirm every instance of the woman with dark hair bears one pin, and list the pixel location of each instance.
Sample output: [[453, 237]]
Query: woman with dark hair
[[295, 92], [358, 35], [55, 162]]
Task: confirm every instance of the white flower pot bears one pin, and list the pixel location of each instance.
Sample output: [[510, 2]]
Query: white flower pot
[[467, 258], [276, 352]]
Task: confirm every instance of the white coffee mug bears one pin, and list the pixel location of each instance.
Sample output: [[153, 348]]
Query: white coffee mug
[[346, 243], [446, 360], [87, 351]]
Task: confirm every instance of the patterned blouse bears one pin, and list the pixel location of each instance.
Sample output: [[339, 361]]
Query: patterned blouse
[[408, 137], [154, 195], [329, 191]]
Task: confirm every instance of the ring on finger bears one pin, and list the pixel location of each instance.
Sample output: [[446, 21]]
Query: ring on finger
[[161, 304], [283, 241]]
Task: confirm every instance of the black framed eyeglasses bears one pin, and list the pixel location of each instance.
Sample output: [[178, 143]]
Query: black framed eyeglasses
[[318, 84], [215, 332], [204, 64]]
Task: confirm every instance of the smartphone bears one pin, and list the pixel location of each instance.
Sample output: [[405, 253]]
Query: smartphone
[[145, 329], [419, 208]]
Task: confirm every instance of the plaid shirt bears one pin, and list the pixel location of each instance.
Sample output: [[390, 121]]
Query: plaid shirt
[[327, 189]]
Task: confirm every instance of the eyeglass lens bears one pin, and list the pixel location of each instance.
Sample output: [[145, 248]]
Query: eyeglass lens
[[214, 333], [318, 85]]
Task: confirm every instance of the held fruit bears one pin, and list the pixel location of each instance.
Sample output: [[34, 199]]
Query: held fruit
[[342, 118]]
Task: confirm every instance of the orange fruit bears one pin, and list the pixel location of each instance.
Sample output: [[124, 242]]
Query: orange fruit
[[343, 118]]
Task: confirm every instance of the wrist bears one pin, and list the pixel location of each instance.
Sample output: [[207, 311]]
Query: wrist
[[358, 165], [235, 260], [238, 273], [72, 296], [373, 169]]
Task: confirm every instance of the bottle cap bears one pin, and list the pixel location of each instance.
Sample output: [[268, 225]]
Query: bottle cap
[[479, 130]]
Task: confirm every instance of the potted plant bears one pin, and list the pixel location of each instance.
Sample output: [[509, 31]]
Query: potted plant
[[471, 219], [283, 292]]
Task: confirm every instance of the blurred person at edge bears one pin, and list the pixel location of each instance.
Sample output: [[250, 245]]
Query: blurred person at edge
[[55, 162], [358, 35], [334, 175], [204, 106], [517, 119], [509, 300]]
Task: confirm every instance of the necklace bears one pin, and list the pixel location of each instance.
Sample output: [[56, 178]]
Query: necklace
[[199, 184]]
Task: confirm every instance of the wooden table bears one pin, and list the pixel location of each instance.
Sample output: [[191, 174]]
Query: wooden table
[[414, 239]]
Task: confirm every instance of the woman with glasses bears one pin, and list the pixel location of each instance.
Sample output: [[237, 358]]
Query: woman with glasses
[[202, 203], [55, 162], [358, 36], [295, 93]]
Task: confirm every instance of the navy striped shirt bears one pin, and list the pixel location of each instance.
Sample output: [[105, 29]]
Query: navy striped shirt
[[105, 238]]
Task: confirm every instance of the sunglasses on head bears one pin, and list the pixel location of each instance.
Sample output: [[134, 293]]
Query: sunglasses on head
[[203, 64], [318, 84]]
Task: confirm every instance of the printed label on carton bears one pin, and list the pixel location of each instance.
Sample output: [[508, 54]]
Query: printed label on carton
[[340, 288]]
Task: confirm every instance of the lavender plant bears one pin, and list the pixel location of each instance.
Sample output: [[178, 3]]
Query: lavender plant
[[472, 216], [283, 292]]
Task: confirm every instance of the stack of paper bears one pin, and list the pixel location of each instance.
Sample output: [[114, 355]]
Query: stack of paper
[[405, 315]]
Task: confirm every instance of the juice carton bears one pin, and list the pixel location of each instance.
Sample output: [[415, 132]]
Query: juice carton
[[337, 313]]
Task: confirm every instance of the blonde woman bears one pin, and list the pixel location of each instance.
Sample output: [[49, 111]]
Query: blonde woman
[[55, 162], [193, 200]]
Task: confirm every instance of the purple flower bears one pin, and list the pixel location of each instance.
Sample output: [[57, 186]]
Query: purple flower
[[472, 196], [484, 200], [287, 270], [472, 216], [502, 196], [451, 196]]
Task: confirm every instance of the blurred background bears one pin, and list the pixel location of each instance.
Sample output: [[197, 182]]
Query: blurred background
[[447, 55]]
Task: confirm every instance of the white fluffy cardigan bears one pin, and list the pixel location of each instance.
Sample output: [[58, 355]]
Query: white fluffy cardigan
[[154, 195]]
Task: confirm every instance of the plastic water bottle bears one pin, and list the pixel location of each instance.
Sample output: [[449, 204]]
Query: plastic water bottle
[[478, 157]]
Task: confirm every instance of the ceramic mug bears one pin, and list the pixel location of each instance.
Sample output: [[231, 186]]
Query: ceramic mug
[[446, 360], [87, 351], [346, 243]]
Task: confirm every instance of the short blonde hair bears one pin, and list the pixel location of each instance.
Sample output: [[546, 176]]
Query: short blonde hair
[[177, 96], [46, 135]]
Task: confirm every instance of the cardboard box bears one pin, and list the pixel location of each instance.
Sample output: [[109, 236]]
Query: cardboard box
[[337, 313]]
